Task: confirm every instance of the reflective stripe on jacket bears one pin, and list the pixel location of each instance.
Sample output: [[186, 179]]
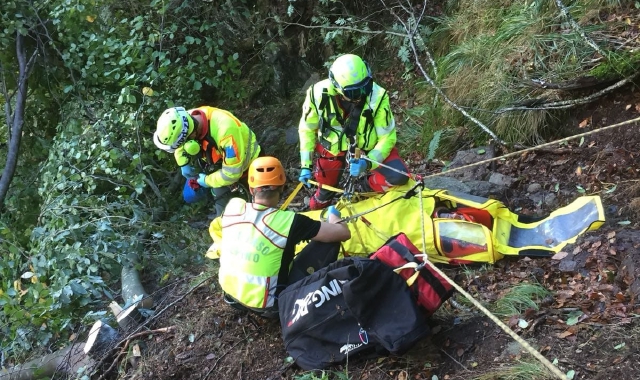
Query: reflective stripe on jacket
[[253, 241], [234, 143], [376, 132]]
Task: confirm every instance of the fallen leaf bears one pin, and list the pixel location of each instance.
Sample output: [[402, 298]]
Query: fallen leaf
[[460, 352], [210, 356], [626, 108], [619, 346], [578, 170], [584, 123], [90, 18], [559, 256], [565, 334], [611, 234]]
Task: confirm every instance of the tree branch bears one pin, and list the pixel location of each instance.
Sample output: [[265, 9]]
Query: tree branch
[[578, 29], [411, 35], [347, 28], [573, 102]]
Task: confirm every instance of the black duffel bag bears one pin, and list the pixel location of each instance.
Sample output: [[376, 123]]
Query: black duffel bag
[[353, 308]]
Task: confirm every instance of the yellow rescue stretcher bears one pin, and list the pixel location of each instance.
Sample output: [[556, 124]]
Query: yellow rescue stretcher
[[488, 231]]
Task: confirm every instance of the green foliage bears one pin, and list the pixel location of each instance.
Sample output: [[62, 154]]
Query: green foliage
[[93, 181]]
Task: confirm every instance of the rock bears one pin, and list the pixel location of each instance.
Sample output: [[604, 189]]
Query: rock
[[567, 265], [485, 189], [501, 179], [534, 188], [446, 183], [291, 136], [550, 199], [470, 156]]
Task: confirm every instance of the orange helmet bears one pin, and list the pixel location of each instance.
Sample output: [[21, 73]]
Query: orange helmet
[[266, 171]]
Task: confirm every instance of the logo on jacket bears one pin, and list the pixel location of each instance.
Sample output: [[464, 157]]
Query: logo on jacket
[[317, 297]]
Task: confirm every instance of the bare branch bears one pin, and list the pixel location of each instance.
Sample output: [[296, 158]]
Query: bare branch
[[348, 28], [578, 29], [411, 35], [573, 102]]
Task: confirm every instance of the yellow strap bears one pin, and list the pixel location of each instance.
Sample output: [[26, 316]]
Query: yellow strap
[[291, 196], [326, 187], [413, 277]]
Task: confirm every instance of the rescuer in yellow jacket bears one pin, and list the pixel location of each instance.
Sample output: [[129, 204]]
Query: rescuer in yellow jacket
[[258, 242], [222, 145], [347, 111]]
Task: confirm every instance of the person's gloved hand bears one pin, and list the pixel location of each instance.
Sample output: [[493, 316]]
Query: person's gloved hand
[[357, 166], [188, 171], [201, 181], [305, 176], [334, 211]]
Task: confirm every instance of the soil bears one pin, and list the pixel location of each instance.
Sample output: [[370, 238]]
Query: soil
[[589, 325]]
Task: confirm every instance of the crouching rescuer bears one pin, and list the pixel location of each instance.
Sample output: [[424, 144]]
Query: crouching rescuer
[[222, 146], [257, 242]]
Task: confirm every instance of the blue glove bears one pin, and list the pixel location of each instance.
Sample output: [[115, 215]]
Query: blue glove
[[333, 210], [201, 181], [357, 166], [305, 176], [188, 171]]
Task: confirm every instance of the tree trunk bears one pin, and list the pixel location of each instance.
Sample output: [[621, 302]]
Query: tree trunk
[[101, 338], [67, 361], [132, 289], [15, 119]]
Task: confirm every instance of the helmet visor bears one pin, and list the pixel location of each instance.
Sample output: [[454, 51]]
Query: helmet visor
[[353, 91]]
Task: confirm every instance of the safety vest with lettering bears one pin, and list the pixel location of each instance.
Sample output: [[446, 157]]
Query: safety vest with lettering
[[227, 141], [253, 242], [322, 120]]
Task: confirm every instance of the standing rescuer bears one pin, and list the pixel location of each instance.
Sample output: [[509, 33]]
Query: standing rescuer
[[217, 139], [347, 111], [257, 242]]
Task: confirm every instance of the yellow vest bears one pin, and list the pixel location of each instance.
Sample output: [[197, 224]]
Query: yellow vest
[[253, 241]]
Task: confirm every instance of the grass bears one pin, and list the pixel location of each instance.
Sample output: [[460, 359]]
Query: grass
[[518, 299], [523, 370], [488, 52]]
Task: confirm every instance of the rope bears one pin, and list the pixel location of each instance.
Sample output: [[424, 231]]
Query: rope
[[498, 322], [517, 153], [291, 196]]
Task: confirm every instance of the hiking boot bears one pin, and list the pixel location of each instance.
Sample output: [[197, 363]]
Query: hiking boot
[[316, 204]]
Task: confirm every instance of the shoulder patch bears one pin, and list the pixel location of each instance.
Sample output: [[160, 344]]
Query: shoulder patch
[[229, 152]]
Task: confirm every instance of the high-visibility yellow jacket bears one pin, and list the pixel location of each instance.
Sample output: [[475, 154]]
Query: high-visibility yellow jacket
[[253, 241], [322, 120], [228, 140]]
